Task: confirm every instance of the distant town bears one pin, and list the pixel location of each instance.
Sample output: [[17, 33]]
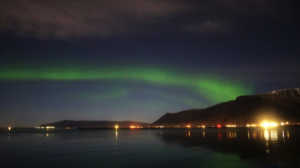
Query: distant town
[[264, 124]]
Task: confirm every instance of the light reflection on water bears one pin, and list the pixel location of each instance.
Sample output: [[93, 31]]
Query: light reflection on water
[[231, 134], [267, 134], [273, 144], [274, 135], [212, 147], [254, 134]]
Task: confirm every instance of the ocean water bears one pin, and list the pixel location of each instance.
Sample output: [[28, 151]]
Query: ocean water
[[210, 147]]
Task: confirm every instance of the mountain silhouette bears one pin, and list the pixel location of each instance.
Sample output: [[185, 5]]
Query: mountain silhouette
[[276, 106], [94, 124]]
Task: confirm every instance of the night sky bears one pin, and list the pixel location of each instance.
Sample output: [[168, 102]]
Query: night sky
[[138, 59]]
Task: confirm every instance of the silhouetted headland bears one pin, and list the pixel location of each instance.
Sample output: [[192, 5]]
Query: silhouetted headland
[[278, 106], [95, 124]]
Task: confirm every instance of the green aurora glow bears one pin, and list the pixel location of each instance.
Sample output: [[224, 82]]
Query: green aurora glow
[[213, 88]]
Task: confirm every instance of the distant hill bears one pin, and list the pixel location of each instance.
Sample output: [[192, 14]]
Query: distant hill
[[278, 106], [94, 124]]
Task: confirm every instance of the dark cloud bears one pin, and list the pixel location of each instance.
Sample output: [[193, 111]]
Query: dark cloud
[[81, 18], [208, 27], [60, 19]]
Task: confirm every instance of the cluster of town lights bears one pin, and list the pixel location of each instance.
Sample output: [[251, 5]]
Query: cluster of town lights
[[133, 127], [265, 124], [230, 125], [47, 127]]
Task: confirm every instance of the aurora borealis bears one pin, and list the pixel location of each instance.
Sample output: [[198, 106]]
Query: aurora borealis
[[137, 61], [215, 90]]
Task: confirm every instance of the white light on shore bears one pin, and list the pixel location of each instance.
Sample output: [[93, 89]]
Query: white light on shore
[[267, 124], [230, 125]]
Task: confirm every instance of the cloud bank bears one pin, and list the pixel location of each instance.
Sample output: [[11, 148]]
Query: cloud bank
[[78, 18]]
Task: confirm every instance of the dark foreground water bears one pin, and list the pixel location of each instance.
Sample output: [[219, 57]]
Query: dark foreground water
[[210, 147]]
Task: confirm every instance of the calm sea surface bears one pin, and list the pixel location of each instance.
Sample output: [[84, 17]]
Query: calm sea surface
[[210, 147]]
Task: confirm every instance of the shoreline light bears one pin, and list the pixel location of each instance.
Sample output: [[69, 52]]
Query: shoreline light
[[133, 127], [50, 127], [116, 126], [39, 127], [267, 124], [230, 125]]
